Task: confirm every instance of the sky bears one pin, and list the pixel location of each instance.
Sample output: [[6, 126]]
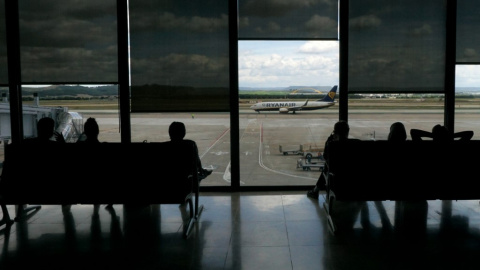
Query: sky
[[287, 63], [309, 63], [306, 63], [180, 42]]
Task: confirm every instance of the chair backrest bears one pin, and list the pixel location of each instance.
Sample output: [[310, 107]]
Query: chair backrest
[[381, 170], [99, 173]]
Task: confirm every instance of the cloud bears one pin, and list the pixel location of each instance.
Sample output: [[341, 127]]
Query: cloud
[[287, 66], [470, 53], [365, 22], [61, 33], [243, 22], [312, 47], [321, 23], [422, 30], [62, 42], [181, 69], [467, 75], [168, 21], [40, 64], [79, 10], [272, 27], [274, 8]]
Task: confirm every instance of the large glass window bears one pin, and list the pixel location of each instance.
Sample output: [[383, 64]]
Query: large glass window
[[66, 41], [65, 48], [292, 19], [70, 106], [288, 54], [179, 56], [180, 72], [396, 46], [283, 76], [468, 36], [467, 82], [467, 99], [281, 64], [3, 47], [371, 115]]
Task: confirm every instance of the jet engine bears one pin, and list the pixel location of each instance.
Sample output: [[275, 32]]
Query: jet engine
[[283, 110]]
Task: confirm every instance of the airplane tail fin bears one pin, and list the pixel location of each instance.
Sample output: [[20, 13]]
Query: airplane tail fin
[[330, 97]]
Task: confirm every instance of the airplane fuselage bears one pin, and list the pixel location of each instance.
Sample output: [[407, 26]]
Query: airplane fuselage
[[293, 106], [290, 106]]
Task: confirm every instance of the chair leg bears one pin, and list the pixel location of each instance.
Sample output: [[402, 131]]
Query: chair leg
[[198, 208], [191, 219], [6, 220], [23, 210], [328, 206]]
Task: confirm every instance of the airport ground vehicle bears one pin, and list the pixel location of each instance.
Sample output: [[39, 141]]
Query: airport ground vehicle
[[300, 150], [313, 153], [308, 165], [292, 150]]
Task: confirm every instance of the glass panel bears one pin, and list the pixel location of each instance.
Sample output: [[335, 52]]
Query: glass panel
[[467, 99], [210, 131], [284, 72], [3, 46], [68, 41], [370, 115], [180, 72], [70, 106], [396, 46], [5, 130], [179, 56], [468, 36], [289, 19]]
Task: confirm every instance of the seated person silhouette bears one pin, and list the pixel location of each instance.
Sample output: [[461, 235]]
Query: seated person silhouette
[[177, 132], [90, 136], [46, 133], [340, 133], [398, 133], [90, 132], [440, 134]]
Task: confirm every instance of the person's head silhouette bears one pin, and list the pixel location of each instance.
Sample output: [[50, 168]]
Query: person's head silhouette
[[398, 133], [45, 128], [441, 134], [177, 131], [91, 128], [341, 130]]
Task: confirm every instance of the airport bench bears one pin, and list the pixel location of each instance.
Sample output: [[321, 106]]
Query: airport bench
[[409, 171], [106, 173]]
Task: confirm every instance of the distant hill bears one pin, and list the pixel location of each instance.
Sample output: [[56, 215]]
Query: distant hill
[[467, 89], [67, 91], [79, 91], [72, 90]]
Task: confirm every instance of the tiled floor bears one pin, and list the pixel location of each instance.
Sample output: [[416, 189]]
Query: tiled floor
[[268, 230]]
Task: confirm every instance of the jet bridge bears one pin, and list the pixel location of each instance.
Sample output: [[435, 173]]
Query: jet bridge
[[69, 124]]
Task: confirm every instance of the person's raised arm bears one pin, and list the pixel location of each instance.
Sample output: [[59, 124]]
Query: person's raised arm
[[463, 135], [418, 134]]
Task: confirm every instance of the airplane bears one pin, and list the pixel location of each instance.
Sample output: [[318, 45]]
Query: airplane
[[293, 106]]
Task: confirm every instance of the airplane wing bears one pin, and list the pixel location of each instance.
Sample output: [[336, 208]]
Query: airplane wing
[[298, 108]]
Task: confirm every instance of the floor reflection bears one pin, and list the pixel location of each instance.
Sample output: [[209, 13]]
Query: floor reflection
[[247, 231]]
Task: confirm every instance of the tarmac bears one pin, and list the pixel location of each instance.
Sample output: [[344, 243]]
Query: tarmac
[[261, 162]]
